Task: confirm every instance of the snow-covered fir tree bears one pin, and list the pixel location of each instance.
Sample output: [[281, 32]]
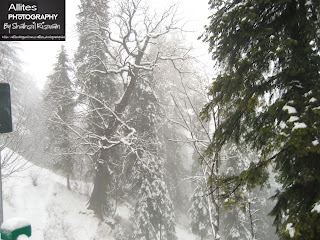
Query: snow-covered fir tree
[[96, 87], [122, 58], [10, 72], [154, 213], [60, 103], [170, 80], [91, 52], [173, 165], [268, 54], [200, 212], [233, 220], [244, 215]]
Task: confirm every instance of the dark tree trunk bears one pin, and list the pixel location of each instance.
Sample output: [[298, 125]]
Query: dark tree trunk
[[98, 199], [68, 181]]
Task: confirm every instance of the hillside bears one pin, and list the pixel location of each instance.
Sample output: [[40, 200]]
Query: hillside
[[42, 197]]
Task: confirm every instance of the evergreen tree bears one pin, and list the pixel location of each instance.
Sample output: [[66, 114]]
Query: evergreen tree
[[234, 218], [97, 87], [154, 215], [269, 83], [59, 100], [173, 166], [199, 212], [118, 53], [259, 206], [90, 55], [244, 214]]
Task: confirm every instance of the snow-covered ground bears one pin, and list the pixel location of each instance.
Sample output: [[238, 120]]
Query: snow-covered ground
[[54, 212]]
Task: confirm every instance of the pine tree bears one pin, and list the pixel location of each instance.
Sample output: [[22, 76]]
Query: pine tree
[[234, 216], [259, 206], [173, 166], [59, 99], [118, 53], [244, 214], [199, 212], [269, 83], [154, 215], [90, 55], [95, 84]]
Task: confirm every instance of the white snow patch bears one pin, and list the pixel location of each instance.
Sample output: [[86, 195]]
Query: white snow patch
[[283, 125], [308, 93], [290, 109], [293, 119], [23, 237], [183, 234], [123, 211], [308, 3], [316, 208], [312, 100], [190, 111], [15, 223], [53, 211], [290, 229], [235, 233], [315, 142], [298, 125]]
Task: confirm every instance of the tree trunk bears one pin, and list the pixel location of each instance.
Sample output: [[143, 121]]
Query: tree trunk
[[98, 199], [251, 221], [68, 181]]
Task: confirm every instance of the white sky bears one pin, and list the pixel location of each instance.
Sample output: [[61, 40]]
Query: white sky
[[39, 56]]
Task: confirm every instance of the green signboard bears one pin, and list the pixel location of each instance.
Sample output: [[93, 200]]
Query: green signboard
[[5, 108]]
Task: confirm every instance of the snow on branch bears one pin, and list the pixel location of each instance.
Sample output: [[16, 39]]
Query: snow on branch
[[128, 35]]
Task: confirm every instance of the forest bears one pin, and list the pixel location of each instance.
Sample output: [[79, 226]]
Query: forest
[[134, 120]]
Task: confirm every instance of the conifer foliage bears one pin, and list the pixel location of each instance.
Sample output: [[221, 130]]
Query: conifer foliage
[[269, 56], [199, 213], [154, 212], [60, 103], [112, 58], [154, 216], [96, 89]]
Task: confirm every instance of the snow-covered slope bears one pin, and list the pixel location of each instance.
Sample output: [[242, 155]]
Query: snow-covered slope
[[54, 212], [40, 196]]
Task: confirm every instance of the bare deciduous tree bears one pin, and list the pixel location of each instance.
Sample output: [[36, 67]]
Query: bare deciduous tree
[[125, 42]]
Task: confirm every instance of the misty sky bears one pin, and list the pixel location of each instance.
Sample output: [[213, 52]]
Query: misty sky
[[39, 56]]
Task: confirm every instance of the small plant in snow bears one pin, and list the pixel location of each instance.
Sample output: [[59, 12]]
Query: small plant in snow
[[34, 176]]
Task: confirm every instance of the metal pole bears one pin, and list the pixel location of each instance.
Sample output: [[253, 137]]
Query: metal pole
[[1, 202]]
